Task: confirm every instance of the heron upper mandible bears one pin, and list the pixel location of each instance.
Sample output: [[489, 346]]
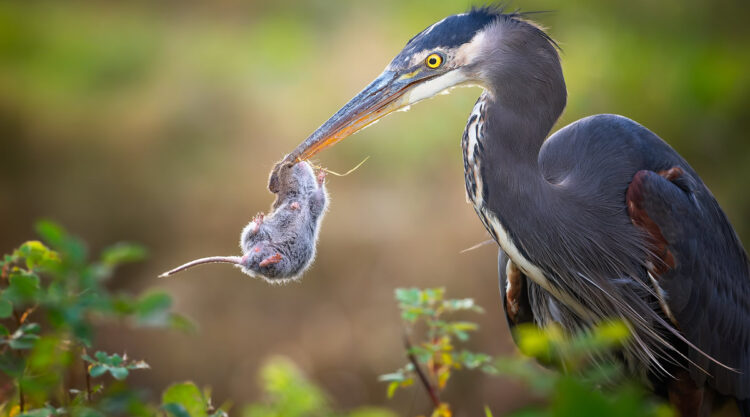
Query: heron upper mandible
[[601, 220]]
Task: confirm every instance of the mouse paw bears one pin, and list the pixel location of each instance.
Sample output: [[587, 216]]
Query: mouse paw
[[321, 177], [273, 259], [294, 205], [257, 221]]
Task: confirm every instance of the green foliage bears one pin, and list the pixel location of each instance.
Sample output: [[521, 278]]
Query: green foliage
[[118, 366], [586, 383], [187, 400], [51, 297], [289, 394], [433, 359]]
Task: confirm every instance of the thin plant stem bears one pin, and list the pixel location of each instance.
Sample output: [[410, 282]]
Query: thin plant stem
[[88, 378], [431, 391]]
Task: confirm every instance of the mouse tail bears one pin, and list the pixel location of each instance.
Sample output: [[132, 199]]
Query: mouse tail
[[236, 260]]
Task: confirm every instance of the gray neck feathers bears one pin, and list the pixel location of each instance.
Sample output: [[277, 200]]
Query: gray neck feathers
[[520, 67]]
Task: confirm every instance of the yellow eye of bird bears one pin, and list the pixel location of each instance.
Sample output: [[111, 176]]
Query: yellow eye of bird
[[434, 60]]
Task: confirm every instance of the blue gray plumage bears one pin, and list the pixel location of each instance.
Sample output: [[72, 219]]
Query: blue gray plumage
[[600, 220]]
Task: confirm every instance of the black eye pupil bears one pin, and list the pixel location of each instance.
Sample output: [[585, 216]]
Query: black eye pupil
[[433, 61]]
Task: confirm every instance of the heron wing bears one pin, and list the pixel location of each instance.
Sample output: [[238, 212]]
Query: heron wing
[[703, 271]]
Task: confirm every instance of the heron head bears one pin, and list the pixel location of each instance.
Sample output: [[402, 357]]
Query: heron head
[[461, 50]]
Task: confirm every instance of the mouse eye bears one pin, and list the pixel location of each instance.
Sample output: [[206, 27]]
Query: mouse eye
[[434, 60]]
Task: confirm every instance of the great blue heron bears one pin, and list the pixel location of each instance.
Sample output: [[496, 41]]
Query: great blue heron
[[603, 219]]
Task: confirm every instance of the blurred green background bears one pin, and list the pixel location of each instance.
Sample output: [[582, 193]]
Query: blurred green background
[[158, 122]]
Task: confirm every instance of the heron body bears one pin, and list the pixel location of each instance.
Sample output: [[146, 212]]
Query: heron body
[[600, 220]]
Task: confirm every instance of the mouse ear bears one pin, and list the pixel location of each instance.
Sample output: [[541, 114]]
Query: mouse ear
[[236, 260]]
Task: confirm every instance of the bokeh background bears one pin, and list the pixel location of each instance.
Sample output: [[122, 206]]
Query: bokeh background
[[157, 122]]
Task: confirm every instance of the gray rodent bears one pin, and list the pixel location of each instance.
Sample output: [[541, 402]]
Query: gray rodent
[[281, 245]]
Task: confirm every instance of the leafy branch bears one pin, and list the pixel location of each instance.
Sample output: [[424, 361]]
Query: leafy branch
[[587, 381], [51, 300], [433, 359]]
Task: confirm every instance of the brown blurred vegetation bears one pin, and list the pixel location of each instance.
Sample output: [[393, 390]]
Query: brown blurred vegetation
[[158, 122]]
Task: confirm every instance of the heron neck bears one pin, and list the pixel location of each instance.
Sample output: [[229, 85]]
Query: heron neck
[[513, 137]]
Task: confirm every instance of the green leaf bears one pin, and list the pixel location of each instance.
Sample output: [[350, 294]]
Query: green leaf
[[115, 364], [115, 360], [123, 305], [533, 341], [35, 253], [50, 354], [6, 308], [50, 232], [23, 287], [153, 309], [433, 295], [408, 296], [123, 252], [176, 410], [392, 387], [188, 396], [181, 323], [31, 328], [541, 381], [282, 380], [613, 333], [97, 370], [411, 315], [25, 337], [472, 360], [70, 247], [119, 372], [24, 342], [4, 331]]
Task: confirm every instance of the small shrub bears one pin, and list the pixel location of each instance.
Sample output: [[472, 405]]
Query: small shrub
[[434, 357], [586, 382], [51, 299]]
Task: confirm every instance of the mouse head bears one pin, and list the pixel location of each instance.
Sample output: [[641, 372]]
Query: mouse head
[[292, 179]]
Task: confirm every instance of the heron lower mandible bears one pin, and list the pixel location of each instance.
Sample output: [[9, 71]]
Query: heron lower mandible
[[601, 220]]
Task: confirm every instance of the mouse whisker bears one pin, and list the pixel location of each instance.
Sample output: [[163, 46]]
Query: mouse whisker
[[336, 173]]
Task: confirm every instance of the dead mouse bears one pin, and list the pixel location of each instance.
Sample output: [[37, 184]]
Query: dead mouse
[[281, 245]]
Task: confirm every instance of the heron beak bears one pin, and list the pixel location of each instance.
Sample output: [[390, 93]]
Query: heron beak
[[383, 96]]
